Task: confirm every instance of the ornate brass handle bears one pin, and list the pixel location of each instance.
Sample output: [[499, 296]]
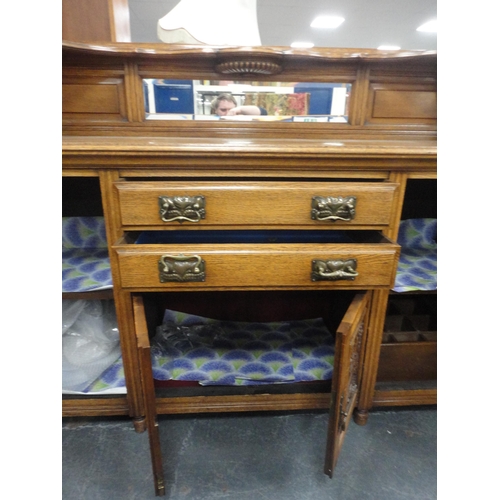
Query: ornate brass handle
[[334, 270], [333, 208], [183, 268], [182, 208]]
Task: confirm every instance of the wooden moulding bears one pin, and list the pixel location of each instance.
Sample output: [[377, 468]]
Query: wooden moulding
[[213, 53], [236, 66], [94, 407], [249, 403], [405, 398]]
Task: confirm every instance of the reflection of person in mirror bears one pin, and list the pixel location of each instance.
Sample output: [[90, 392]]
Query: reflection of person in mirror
[[226, 105]]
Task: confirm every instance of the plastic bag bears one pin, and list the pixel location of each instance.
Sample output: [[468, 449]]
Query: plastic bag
[[170, 335], [90, 341]]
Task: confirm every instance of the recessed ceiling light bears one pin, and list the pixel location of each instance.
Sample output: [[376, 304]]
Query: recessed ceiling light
[[429, 27], [388, 47], [302, 45], [327, 22]]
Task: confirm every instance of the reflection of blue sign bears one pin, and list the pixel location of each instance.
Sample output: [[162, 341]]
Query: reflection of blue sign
[[174, 96], [320, 102]]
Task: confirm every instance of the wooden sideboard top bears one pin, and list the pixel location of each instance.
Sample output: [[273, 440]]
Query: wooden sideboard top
[[256, 157], [220, 146]]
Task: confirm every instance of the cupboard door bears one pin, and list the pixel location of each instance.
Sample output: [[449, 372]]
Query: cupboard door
[[148, 392], [346, 376]]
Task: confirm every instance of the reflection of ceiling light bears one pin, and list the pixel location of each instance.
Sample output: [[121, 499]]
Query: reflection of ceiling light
[[198, 22], [302, 45], [429, 27], [327, 22], [388, 47]]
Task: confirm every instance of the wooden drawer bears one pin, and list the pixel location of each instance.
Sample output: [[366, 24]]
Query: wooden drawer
[[256, 266], [258, 204]]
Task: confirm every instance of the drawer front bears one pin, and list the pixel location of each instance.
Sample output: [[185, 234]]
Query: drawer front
[[224, 266], [260, 204]]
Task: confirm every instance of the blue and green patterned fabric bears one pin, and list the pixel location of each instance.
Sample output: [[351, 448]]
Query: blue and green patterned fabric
[[417, 267], [111, 381], [236, 353], [85, 259]]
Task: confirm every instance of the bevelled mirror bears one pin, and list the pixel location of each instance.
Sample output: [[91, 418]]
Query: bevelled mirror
[[166, 99]]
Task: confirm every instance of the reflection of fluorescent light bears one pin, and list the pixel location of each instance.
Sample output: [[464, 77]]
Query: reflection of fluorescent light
[[388, 47], [302, 45], [327, 22], [429, 27]]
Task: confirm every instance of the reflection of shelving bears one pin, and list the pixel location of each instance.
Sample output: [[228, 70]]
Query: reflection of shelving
[[241, 89]]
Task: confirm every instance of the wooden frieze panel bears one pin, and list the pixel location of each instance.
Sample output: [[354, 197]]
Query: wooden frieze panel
[[101, 99], [404, 104], [393, 103]]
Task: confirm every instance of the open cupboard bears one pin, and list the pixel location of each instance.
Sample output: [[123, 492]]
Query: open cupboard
[[407, 372], [267, 220]]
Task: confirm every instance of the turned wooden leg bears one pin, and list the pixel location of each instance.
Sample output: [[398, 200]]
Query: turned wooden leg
[[360, 417], [139, 424]]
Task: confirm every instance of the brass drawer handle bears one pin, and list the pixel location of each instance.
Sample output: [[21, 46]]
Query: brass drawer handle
[[333, 208], [182, 208], [334, 270], [184, 268]]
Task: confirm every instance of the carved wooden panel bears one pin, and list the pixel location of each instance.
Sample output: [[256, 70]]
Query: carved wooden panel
[[346, 377]]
